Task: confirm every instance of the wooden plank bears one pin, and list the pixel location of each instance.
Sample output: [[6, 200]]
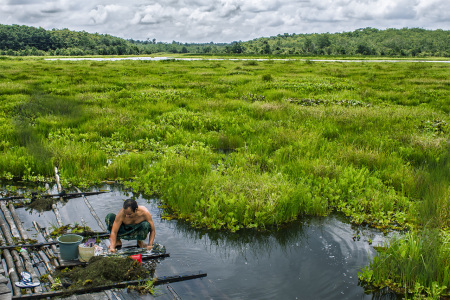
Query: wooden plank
[[3, 279]]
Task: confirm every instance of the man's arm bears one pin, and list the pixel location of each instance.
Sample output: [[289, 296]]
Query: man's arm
[[114, 230], [151, 239]]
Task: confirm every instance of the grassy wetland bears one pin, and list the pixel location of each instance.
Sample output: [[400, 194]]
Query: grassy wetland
[[250, 144]]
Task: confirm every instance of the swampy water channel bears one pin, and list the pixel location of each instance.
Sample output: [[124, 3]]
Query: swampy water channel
[[314, 258]]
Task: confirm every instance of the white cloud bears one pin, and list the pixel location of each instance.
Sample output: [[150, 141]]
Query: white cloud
[[223, 20]]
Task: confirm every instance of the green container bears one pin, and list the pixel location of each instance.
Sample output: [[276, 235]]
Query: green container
[[68, 246]]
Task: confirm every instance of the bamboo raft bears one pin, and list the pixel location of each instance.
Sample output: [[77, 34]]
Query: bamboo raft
[[21, 255]]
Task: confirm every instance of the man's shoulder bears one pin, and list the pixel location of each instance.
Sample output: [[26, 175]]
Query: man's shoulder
[[120, 214], [143, 209]]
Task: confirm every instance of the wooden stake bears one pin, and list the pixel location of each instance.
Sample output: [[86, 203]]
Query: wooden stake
[[58, 184], [54, 207], [93, 213]]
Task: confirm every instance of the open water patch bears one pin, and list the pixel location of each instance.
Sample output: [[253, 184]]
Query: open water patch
[[311, 258]]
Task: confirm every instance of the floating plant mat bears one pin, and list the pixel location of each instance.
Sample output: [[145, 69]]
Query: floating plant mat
[[102, 271], [41, 204]]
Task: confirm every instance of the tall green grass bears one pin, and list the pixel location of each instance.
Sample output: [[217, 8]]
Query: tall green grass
[[244, 144]]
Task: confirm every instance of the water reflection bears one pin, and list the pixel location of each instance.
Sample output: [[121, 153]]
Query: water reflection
[[247, 241]]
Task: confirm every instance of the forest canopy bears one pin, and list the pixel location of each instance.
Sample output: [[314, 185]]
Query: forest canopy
[[21, 40]]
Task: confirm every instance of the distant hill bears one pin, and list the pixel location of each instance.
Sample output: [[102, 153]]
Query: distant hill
[[26, 40]]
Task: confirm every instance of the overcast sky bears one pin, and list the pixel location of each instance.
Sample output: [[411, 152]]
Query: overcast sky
[[223, 20]]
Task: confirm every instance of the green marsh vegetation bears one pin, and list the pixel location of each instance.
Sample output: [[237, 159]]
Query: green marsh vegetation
[[249, 144]]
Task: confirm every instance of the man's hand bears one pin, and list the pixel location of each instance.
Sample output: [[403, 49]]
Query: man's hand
[[149, 247], [112, 249]]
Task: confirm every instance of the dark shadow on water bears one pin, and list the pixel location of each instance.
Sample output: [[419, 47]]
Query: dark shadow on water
[[30, 129]]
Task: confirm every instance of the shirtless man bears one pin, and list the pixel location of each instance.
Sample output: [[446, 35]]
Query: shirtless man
[[133, 222]]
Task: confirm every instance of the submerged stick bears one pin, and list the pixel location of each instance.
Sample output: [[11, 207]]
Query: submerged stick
[[174, 294], [93, 213], [51, 252]]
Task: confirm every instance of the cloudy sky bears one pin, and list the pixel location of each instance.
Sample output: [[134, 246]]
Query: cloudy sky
[[223, 20]]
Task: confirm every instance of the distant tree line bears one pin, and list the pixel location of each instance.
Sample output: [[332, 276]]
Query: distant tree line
[[21, 40], [365, 41]]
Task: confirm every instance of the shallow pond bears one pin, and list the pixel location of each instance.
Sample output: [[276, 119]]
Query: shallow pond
[[317, 258]]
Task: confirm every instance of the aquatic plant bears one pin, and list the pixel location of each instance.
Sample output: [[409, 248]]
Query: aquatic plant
[[415, 264], [102, 271]]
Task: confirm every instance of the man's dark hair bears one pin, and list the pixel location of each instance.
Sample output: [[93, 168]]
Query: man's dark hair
[[130, 203]]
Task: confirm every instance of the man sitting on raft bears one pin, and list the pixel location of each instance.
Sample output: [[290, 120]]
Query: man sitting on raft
[[133, 222]]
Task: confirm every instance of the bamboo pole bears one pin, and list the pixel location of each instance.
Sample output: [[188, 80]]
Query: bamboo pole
[[17, 221], [14, 231], [68, 195], [25, 256], [93, 213], [158, 281], [9, 240], [54, 207], [24, 235], [39, 245], [58, 184], [12, 274], [49, 252]]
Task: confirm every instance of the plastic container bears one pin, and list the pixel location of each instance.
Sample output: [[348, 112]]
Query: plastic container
[[137, 257], [85, 253], [68, 246]]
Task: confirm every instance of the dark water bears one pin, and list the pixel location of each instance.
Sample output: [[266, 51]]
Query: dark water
[[309, 259]]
